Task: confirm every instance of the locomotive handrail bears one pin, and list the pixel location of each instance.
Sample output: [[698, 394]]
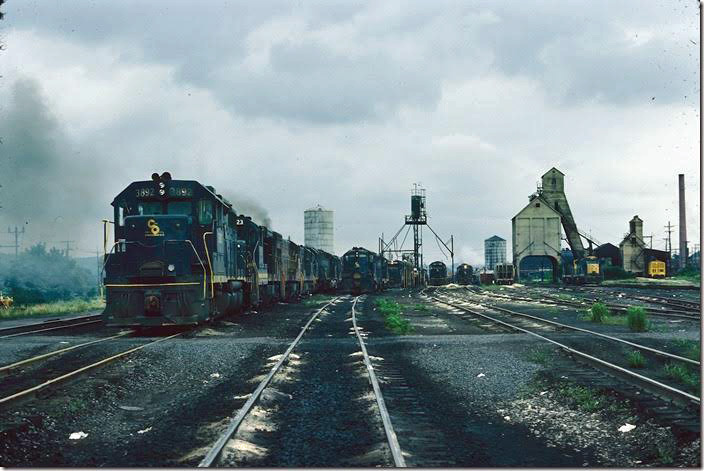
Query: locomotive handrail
[[210, 266]]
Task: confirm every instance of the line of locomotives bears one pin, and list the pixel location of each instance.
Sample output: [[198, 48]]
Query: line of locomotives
[[182, 255]]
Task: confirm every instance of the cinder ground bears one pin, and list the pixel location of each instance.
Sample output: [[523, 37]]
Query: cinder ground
[[509, 405], [461, 393]]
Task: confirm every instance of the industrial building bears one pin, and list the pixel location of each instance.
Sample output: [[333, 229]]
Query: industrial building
[[494, 252], [318, 231], [536, 238], [636, 256], [633, 246]]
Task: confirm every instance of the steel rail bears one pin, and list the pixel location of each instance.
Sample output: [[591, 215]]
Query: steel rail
[[672, 393], [675, 302], [597, 334], [12, 366], [399, 461], [615, 307], [59, 379], [216, 450], [34, 331]]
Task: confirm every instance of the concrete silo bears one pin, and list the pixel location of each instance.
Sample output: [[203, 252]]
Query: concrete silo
[[318, 229]]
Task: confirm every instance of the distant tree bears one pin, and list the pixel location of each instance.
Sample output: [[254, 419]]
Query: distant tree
[[38, 275]]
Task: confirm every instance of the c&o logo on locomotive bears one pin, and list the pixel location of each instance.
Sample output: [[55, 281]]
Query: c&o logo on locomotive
[[154, 230]]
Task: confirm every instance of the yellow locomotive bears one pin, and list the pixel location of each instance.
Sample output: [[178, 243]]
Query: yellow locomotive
[[657, 269]]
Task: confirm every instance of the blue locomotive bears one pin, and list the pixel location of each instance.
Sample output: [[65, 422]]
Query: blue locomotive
[[465, 274], [437, 274], [182, 255], [363, 271]]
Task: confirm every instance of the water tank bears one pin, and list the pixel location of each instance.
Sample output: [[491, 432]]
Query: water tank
[[416, 206], [318, 229]]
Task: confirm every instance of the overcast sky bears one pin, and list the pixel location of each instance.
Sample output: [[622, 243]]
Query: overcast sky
[[347, 104]]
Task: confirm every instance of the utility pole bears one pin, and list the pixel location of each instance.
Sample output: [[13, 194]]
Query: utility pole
[[17, 233], [668, 245], [100, 270], [68, 246], [651, 239]]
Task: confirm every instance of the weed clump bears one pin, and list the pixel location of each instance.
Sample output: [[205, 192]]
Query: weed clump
[[682, 374], [636, 359], [599, 313], [391, 310], [585, 399], [637, 319]]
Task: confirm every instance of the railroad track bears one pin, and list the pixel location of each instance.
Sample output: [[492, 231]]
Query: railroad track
[[651, 385], [549, 299], [673, 303], [49, 325], [30, 392], [215, 454]]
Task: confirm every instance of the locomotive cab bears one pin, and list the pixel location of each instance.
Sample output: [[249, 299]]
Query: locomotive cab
[[174, 261]]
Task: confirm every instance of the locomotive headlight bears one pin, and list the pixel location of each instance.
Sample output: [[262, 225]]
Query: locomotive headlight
[[162, 192], [171, 267]]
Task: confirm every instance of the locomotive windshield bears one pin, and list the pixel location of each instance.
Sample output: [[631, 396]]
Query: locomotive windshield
[[149, 208], [179, 207]]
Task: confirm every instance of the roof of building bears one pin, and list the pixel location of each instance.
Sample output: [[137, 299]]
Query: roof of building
[[537, 199], [554, 170], [318, 208], [494, 238]]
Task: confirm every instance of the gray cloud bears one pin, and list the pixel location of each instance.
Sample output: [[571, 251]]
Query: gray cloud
[[347, 104]]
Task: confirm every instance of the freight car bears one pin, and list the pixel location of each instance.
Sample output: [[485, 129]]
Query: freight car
[[182, 255], [465, 274], [363, 271], [437, 274], [504, 273]]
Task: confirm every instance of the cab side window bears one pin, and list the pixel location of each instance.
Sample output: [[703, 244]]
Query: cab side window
[[205, 212]]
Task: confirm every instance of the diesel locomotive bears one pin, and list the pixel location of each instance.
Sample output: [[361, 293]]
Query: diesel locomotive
[[465, 274], [183, 255], [363, 271], [437, 274], [402, 274], [504, 273]]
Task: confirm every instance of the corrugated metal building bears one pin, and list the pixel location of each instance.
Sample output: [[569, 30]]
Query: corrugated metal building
[[536, 240], [494, 251], [318, 231]]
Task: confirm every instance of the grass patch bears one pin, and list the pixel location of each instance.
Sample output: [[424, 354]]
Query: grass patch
[[615, 320], [599, 313], [635, 359], [316, 300], [391, 310], [56, 308], [539, 356], [689, 348], [421, 307], [689, 274], [584, 398], [637, 319], [683, 375]]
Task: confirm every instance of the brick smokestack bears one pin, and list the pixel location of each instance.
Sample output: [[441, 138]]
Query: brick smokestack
[[683, 225]]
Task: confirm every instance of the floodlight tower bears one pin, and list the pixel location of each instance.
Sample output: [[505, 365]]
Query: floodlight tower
[[417, 219]]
